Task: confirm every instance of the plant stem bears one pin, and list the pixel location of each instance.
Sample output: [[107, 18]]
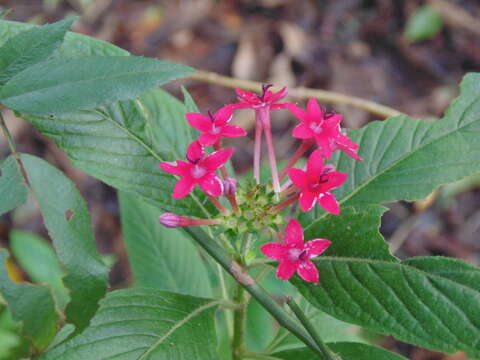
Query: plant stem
[[217, 204], [306, 144], [327, 354], [300, 93], [245, 280], [257, 148], [8, 136], [264, 114], [239, 323], [279, 207]]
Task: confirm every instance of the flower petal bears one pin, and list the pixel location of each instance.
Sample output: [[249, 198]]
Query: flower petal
[[294, 233], [307, 200], [314, 110], [183, 187], [286, 269], [333, 121], [335, 179], [302, 131], [329, 203], [207, 139], [195, 151], [274, 250], [298, 177], [217, 159], [308, 271], [324, 145], [295, 110], [316, 247], [199, 121], [279, 95], [211, 184], [315, 166], [223, 115], [179, 169], [232, 131]]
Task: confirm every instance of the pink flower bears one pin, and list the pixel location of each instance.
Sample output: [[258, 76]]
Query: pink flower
[[267, 98], [199, 170], [316, 182], [215, 126], [294, 254], [324, 127]]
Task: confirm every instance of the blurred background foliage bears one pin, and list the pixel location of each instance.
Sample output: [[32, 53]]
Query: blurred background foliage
[[407, 54]]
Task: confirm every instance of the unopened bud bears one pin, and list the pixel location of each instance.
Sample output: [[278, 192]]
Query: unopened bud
[[170, 220], [229, 186]]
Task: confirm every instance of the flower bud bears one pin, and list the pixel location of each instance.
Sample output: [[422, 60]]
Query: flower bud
[[229, 186], [170, 220]]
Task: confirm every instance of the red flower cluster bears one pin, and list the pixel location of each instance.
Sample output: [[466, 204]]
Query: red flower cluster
[[310, 185]]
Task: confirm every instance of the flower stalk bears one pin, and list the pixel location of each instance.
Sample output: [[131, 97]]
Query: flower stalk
[[327, 354], [263, 114], [250, 285]]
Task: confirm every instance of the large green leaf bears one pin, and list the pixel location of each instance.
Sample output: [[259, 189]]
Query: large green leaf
[[141, 324], [67, 84], [32, 305], [346, 350], [30, 47], [432, 302], [39, 261], [73, 45], [113, 145], [66, 217], [13, 190], [161, 258], [171, 133], [354, 233], [405, 159]]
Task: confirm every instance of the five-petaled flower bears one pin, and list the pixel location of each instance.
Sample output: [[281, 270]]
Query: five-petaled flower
[[294, 254], [267, 98], [215, 126], [199, 169], [316, 182], [324, 127]]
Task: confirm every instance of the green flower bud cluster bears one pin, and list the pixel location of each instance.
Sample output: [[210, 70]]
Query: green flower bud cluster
[[255, 205]]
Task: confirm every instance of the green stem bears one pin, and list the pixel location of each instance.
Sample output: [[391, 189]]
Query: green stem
[[245, 280], [8, 136], [239, 323], [327, 354]]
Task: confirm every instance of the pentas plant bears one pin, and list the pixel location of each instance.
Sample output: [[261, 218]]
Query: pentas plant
[[305, 188], [315, 221]]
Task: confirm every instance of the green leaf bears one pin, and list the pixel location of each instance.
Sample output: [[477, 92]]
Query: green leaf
[[101, 143], [39, 261], [31, 47], [31, 304], [431, 302], [141, 324], [405, 159], [346, 350], [190, 105], [68, 84], [73, 45], [171, 133], [66, 217], [161, 258], [13, 190], [424, 23], [353, 233]]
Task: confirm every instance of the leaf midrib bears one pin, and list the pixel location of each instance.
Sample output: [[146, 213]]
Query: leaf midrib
[[402, 158], [177, 325], [401, 265], [66, 84]]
